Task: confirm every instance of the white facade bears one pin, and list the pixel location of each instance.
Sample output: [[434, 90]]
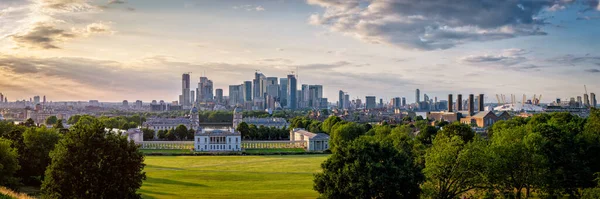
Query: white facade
[[314, 142], [216, 140]]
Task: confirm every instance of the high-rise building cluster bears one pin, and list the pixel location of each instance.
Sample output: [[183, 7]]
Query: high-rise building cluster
[[272, 93]]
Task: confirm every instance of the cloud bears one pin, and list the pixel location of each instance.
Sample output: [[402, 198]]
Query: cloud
[[593, 70], [116, 2], [573, 60], [279, 49], [249, 8], [45, 24], [48, 35], [329, 66], [434, 24], [508, 57], [587, 18], [44, 36]]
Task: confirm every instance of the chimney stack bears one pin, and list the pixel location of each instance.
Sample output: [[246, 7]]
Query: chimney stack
[[450, 103], [459, 105], [481, 108], [471, 104]]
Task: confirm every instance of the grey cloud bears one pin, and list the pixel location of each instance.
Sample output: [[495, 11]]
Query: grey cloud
[[116, 2], [493, 59], [593, 70], [433, 24], [42, 36], [587, 18], [574, 59], [324, 66]]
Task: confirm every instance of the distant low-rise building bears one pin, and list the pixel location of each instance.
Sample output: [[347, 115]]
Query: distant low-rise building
[[157, 124], [314, 141], [217, 140], [485, 119], [267, 122]]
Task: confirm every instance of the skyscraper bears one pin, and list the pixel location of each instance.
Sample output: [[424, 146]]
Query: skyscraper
[[305, 96], [236, 93], [192, 96], [44, 100], [259, 81], [292, 88], [185, 90], [272, 87], [315, 95], [579, 101], [586, 100], [138, 104], [205, 90], [347, 101], [417, 96], [247, 91], [403, 101], [397, 102], [341, 100], [593, 98], [36, 99], [370, 102], [283, 86], [1, 98], [219, 95]]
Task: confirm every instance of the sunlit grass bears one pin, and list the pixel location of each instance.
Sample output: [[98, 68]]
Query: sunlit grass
[[288, 176]]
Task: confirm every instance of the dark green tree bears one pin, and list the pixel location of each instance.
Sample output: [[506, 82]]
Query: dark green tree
[[91, 163], [29, 123], [148, 134], [9, 164], [462, 130], [181, 132], [51, 120], [38, 144], [244, 129], [367, 168], [329, 123], [344, 133], [451, 167]]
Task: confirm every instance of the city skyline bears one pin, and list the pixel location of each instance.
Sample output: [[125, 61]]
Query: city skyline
[[82, 50]]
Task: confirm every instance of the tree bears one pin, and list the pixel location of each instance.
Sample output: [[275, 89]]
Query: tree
[[181, 132], [59, 125], [171, 135], [426, 135], [38, 144], [244, 129], [51, 120], [9, 163], [451, 167], [329, 123], [367, 168], [91, 163], [29, 123], [73, 119], [515, 162], [344, 133], [162, 134], [148, 134], [462, 130]]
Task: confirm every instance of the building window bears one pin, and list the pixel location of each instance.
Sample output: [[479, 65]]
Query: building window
[[236, 140], [229, 139], [205, 140], [229, 147]]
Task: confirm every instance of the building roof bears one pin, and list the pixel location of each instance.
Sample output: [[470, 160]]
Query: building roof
[[270, 121], [309, 134], [482, 114], [217, 132]]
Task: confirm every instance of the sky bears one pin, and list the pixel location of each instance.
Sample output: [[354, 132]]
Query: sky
[[114, 50]]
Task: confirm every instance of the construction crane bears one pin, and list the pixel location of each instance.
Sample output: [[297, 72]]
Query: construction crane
[[539, 99]]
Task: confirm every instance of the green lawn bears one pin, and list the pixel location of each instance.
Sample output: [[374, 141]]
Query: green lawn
[[282, 150], [288, 176], [175, 151]]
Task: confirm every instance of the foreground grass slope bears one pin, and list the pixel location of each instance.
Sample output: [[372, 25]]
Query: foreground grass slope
[[231, 176]]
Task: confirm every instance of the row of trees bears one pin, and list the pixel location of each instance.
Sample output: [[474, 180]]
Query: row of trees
[[180, 133], [547, 155], [118, 122], [103, 165], [252, 132]]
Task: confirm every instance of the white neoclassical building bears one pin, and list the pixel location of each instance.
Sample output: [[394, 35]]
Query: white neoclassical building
[[217, 140], [314, 141]]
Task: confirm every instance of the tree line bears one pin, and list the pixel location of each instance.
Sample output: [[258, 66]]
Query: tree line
[[83, 161], [544, 156]]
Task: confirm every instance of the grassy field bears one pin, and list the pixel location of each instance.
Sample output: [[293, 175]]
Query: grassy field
[[287, 176], [283, 150], [177, 151]]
